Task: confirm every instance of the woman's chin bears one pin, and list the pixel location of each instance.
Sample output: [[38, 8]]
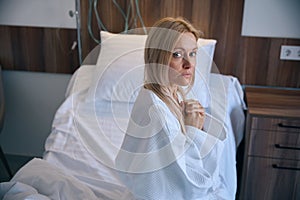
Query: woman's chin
[[184, 83]]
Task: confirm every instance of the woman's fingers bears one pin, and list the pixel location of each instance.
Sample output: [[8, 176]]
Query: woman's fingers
[[201, 111], [194, 113], [193, 106], [190, 110]]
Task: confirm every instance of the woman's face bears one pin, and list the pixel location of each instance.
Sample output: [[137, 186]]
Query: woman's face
[[183, 61]]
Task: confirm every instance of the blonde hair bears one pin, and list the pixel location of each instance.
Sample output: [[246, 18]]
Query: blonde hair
[[160, 43]]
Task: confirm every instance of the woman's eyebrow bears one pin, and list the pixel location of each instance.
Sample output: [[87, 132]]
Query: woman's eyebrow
[[181, 48]]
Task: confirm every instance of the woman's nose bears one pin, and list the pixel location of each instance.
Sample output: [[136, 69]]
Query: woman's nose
[[187, 63]]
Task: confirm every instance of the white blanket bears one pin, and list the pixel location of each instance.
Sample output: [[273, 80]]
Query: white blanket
[[38, 179]]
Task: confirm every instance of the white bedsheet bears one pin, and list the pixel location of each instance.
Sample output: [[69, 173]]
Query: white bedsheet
[[67, 152], [39, 179]]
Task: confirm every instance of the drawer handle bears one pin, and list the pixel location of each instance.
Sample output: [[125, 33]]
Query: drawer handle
[[279, 146], [275, 166], [287, 126]]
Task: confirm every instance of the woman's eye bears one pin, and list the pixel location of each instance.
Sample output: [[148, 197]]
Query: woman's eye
[[193, 54], [177, 55]]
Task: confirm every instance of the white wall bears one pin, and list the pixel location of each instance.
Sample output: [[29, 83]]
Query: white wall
[[40, 13], [32, 99], [271, 18]]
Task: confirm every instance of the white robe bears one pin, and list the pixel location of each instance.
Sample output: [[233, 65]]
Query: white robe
[[158, 161]]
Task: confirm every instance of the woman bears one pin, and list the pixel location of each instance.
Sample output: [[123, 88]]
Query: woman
[[166, 152]]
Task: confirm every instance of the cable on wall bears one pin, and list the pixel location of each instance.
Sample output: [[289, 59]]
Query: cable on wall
[[99, 22], [78, 26], [133, 10], [139, 16], [125, 16], [90, 22]]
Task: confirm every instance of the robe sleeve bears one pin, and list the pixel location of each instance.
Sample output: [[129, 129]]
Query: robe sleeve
[[158, 161]]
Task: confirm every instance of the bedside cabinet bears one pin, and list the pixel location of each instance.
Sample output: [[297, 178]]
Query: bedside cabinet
[[271, 168]]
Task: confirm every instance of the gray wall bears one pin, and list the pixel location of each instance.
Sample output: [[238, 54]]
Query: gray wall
[[54, 13], [271, 18], [32, 99]]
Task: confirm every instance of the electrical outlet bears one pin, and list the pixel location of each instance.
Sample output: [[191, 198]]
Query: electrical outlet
[[290, 52]]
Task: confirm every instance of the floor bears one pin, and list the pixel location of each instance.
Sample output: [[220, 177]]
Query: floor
[[15, 163]]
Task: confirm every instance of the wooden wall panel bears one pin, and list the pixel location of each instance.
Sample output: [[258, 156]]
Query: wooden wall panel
[[38, 49], [253, 60]]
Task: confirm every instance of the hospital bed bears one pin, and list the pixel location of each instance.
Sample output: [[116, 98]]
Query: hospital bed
[[89, 126]]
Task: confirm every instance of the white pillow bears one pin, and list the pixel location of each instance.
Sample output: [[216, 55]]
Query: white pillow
[[121, 68], [205, 54]]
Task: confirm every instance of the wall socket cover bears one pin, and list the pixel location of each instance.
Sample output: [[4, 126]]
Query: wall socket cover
[[289, 52]]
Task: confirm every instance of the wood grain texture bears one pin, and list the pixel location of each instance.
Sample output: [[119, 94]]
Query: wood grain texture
[[273, 102], [285, 145], [38, 49], [276, 124], [269, 183], [253, 60], [271, 167]]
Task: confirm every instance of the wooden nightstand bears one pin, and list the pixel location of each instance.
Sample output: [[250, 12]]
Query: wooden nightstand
[[271, 167]]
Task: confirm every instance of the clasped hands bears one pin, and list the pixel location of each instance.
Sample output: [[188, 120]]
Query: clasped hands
[[193, 113]]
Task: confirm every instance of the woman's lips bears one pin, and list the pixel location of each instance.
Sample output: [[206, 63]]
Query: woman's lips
[[187, 75]]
